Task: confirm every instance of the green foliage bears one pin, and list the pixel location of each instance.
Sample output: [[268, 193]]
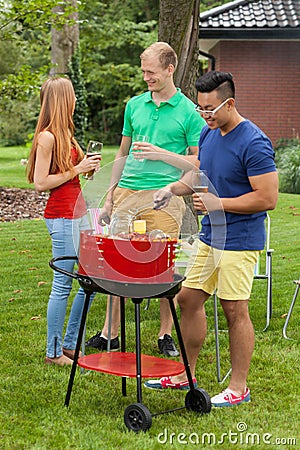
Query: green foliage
[[19, 104], [21, 85], [80, 113], [25, 29], [112, 36], [210, 4], [24, 64], [111, 44], [288, 164], [282, 143], [20, 16]]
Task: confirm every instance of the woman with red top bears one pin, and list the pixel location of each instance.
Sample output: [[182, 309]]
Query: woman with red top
[[55, 162]]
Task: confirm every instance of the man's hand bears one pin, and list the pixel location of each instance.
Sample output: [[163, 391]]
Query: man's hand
[[162, 197], [146, 150], [105, 213], [207, 202]]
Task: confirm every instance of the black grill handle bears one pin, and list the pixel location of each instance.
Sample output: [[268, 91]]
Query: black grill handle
[[58, 269]]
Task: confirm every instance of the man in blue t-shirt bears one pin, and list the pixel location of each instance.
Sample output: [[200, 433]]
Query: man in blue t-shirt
[[243, 184]]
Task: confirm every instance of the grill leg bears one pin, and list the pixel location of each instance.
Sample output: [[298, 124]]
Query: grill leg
[[137, 304], [123, 342], [78, 343], [181, 344], [110, 300]]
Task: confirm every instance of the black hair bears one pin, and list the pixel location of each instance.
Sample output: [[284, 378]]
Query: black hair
[[219, 81]]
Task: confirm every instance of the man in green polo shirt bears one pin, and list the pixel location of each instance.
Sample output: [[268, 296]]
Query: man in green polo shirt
[[169, 129]]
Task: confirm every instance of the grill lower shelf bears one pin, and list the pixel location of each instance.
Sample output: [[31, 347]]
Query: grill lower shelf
[[124, 364]]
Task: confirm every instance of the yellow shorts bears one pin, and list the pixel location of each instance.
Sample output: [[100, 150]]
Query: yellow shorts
[[168, 220], [229, 273]]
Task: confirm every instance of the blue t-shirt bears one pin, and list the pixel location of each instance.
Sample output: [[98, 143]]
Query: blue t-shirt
[[229, 160]]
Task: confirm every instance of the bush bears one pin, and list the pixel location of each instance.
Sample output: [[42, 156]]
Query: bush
[[288, 164], [17, 121]]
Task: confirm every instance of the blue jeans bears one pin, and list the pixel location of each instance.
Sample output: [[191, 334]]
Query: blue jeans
[[65, 234]]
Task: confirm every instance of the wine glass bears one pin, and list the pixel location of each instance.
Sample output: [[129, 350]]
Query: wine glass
[[200, 184], [94, 148]]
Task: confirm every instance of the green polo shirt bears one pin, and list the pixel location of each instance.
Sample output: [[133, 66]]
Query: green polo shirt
[[173, 125]]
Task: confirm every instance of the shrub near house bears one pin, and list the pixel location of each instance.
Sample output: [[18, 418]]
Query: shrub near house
[[287, 159]]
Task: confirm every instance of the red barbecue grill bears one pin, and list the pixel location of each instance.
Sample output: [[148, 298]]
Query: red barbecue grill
[[132, 260], [137, 269]]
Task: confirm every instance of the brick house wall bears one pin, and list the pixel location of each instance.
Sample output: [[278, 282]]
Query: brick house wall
[[267, 79]]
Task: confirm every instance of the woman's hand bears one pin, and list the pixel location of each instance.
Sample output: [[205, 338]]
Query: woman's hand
[[88, 164]]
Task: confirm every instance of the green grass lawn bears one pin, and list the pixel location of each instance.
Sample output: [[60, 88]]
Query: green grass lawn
[[32, 411], [12, 172]]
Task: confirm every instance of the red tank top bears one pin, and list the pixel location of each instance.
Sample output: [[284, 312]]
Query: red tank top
[[66, 201]]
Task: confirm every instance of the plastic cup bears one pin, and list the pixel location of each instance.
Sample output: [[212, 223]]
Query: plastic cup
[[139, 138]]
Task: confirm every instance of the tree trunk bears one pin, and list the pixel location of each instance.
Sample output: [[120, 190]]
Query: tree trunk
[[64, 42], [179, 26]]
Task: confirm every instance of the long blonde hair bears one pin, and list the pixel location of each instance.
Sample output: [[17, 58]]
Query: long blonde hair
[[57, 98]]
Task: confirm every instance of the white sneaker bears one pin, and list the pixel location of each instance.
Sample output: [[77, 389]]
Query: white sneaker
[[228, 398]]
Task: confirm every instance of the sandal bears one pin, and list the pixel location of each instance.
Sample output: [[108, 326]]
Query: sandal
[[60, 361], [71, 353]]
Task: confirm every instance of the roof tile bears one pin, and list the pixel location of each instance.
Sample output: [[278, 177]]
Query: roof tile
[[253, 13]]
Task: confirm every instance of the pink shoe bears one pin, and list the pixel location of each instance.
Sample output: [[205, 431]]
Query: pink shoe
[[165, 383], [228, 398]]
